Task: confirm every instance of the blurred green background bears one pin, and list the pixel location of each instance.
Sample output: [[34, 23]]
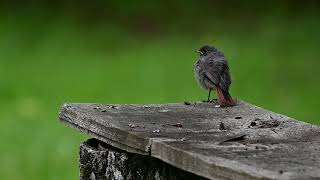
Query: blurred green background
[[53, 52]]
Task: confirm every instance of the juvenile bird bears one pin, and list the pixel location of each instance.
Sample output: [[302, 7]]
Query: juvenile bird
[[212, 73]]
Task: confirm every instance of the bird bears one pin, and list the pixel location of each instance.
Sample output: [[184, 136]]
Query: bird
[[212, 73]]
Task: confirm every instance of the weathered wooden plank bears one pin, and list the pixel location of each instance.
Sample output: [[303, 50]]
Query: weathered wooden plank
[[240, 142]]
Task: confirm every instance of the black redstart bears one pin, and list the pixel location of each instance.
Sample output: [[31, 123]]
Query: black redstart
[[212, 73]]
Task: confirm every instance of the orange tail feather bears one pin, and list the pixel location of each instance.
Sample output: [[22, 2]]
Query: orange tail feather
[[224, 98]]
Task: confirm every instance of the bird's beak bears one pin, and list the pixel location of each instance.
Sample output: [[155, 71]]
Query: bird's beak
[[197, 51]]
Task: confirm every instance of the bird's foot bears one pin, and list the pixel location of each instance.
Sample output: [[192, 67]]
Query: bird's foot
[[208, 101]]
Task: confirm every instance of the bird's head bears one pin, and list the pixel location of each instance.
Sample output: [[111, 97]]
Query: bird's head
[[207, 49]]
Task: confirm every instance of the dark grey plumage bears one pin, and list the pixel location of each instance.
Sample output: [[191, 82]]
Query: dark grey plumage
[[212, 72]]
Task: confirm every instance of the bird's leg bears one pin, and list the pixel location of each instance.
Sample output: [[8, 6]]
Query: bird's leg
[[209, 95]]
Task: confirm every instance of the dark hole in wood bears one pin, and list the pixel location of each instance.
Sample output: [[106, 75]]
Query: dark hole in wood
[[222, 126], [253, 123]]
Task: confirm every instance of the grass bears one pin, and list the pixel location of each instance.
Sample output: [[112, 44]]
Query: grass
[[44, 64]]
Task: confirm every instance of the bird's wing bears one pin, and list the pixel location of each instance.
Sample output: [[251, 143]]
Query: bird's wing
[[217, 71]]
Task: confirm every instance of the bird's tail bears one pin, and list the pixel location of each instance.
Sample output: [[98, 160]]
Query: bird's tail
[[224, 98]]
